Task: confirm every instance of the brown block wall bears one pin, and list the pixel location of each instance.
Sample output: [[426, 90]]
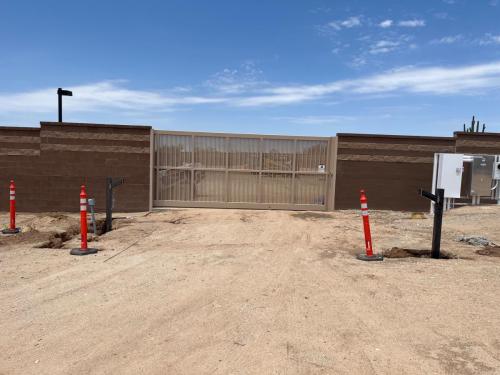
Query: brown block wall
[[69, 155], [19, 159], [477, 143], [391, 169], [51, 162]]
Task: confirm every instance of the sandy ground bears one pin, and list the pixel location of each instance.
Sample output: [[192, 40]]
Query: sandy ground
[[250, 292]]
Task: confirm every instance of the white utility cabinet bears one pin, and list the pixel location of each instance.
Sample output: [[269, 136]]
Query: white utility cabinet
[[449, 174], [496, 168]]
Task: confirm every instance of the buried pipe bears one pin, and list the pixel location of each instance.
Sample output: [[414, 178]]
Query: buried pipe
[[91, 204]]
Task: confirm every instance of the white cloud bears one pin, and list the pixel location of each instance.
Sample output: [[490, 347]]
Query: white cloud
[[383, 46], [233, 81], [113, 97], [358, 62], [447, 39], [351, 22], [433, 80], [385, 24], [99, 96], [347, 23], [412, 23], [449, 2], [489, 39]]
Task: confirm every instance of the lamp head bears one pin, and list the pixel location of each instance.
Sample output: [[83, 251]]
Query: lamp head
[[62, 92]]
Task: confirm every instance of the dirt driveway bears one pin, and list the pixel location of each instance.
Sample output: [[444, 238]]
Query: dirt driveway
[[250, 292]]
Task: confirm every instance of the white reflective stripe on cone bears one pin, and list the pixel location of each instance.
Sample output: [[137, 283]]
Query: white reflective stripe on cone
[[83, 208], [83, 201], [12, 197], [364, 205], [364, 213]]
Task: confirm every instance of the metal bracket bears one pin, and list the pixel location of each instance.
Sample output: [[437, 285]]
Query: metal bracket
[[428, 195]]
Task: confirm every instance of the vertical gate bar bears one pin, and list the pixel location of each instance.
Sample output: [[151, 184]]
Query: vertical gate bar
[[156, 164], [161, 161], [327, 175], [192, 168], [332, 172], [226, 148], [294, 161], [151, 166], [259, 181]]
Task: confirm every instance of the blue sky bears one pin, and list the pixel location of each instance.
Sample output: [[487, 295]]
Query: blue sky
[[279, 67]]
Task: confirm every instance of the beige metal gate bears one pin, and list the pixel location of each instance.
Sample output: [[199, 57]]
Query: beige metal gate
[[243, 171]]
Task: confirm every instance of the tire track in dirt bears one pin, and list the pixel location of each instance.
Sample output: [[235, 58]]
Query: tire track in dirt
[[285, 297], [199, 304]]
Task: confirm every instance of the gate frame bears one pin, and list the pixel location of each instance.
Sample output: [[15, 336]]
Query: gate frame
[[330, 180]]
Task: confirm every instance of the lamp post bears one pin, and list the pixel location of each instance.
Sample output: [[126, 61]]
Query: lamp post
[[60, 94]]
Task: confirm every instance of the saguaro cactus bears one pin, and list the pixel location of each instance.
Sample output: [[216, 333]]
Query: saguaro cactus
[[474, 126]]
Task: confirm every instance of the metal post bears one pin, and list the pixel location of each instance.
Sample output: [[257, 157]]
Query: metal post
[[59, 103], [438, 223], [60, 94], [438, 200], [111, 183], [109, 204]]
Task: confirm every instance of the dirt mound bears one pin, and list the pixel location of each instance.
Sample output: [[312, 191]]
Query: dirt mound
[[49, 230], [397, 252], [29, 236], [490, 251], [417, 216]]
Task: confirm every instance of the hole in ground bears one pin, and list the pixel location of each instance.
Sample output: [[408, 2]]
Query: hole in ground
[[489, 251], [397, 252], [56, 240]]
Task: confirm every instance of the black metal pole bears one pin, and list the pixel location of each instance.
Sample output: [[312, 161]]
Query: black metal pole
[[59, 103], [438, 223], [111, 183], [109, 204]]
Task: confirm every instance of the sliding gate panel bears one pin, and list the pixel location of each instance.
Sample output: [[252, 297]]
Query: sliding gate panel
[[241, 171]]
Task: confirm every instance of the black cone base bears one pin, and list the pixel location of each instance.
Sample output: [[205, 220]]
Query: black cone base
[[83, 251], [374, 257], [11, 231]]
